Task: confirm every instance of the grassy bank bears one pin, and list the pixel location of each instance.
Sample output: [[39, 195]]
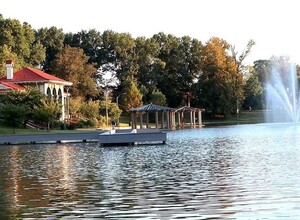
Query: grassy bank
[[245, 117]]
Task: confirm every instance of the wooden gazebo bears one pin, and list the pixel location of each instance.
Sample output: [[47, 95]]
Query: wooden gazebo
[[194, 116], [165, 112]]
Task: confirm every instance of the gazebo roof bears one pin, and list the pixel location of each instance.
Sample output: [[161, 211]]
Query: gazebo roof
[[188, 108], [151, 107]]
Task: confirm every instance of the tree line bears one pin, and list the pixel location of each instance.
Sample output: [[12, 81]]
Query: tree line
[[163, 69]]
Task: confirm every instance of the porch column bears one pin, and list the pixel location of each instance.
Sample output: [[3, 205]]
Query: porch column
[[62, 107]]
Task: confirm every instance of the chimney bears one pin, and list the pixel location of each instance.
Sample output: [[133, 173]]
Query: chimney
[[9, 69]]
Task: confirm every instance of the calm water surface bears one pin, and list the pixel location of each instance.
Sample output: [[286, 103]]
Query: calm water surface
[[235, 172]]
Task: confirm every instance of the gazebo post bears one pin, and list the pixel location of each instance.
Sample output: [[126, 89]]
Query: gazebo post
[[178, 117], [132, 119], [162, 119], [135, 120], [199, 118], [147, 119], [191, 119], [168, 119], [141, 120], [194, 118], [156, 119], [135, 113], [182, 120], [173, 119]]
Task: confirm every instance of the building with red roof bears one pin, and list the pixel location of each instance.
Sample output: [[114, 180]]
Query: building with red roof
[[49, 85]]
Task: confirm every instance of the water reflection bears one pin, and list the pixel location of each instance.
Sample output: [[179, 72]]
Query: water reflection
[[236, 172]]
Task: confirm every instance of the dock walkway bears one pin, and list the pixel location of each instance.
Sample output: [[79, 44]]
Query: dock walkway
[[50, 138], [113, 137]]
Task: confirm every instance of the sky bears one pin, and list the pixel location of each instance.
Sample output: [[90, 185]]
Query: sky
[[272, 24]]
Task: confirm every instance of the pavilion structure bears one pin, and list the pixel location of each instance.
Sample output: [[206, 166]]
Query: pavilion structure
[[137, 116], [186, 117], [50, 85]]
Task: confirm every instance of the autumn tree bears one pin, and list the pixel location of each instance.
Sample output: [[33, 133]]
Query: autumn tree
[[72, 65], [132, 96], [215, 90]]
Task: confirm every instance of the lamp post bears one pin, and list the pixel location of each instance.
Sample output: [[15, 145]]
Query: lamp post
[[106, 110], [118, 107], [118, 119]]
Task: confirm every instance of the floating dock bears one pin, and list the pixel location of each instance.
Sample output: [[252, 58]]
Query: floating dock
[[109, 138], [49, 138], [132, 137]]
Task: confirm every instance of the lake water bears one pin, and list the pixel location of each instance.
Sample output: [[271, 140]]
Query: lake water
[[232, 172]]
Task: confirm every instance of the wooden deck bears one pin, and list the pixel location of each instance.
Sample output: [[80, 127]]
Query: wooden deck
[[132, 137], [113, 137], [50, 138]]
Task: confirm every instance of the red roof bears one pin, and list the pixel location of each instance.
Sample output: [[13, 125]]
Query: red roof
[[33, 75], [12, 85]]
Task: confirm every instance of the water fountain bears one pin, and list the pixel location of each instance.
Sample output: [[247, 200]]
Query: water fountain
[[282, 95]]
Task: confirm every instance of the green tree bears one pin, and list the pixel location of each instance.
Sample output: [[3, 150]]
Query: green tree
[[237, 74], [75, 105], [89, 110], [29, 98], [52, 40], [181, 57], [253, 93], [47, 112], [149, 66], [262, 68], [72, 65], [113, 111], [158, 98], [20, 38], [7, 54], [13, 114], [91, 43]]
